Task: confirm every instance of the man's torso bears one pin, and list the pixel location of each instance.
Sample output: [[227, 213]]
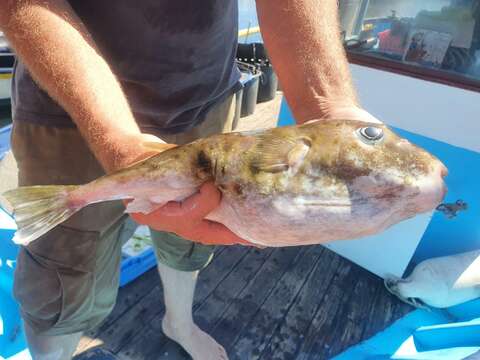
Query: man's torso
[[174, 59]]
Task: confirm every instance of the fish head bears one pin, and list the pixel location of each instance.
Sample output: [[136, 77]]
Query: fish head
[[377, 164], [355, 174]]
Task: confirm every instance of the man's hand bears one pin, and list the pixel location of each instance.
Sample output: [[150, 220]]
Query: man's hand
[[187, 219], [348, 112]]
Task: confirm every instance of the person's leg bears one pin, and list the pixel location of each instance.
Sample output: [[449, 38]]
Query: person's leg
[[59, 347], [180, 260], [178, 288], [66, 281]]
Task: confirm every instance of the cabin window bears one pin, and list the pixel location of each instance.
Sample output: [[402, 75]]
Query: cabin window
[[436, 40]]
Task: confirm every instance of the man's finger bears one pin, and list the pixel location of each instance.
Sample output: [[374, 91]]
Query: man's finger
[[196, 206]]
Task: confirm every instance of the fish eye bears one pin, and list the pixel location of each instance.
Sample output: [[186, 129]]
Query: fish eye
[[371, 134]]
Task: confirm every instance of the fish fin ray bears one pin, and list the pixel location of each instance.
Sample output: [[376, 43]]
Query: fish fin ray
[[281, 154], [37, 209]]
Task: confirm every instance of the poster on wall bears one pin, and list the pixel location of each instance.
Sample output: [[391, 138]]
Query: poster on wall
[[426, 47]]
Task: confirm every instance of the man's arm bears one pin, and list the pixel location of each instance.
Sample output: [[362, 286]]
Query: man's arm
[[303, 41], [61, 56]]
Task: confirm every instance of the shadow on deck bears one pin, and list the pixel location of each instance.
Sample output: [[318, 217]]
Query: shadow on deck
[[275, 304]]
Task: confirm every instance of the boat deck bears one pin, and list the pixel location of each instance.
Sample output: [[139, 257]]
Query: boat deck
[[290, 303], [276, 304], [285, 303]]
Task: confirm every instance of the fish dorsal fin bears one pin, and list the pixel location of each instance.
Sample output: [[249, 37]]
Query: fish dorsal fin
[[156, 146], [282, 155], [152, 148]]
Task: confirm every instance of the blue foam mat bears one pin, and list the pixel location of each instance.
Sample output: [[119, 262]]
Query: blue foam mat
[[423, 334], [448, 335]]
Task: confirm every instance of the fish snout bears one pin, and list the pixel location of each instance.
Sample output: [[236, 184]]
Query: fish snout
[[443, 170], [433, 188]]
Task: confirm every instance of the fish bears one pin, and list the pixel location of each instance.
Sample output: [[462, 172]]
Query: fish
[[440, 282], [313, 183]]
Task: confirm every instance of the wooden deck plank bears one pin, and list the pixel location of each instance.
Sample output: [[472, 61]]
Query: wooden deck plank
[[248, 302], [224, 291], [351, 317], [212, 309], [286, 341], [382, 311], [325, 317], [258, 332]]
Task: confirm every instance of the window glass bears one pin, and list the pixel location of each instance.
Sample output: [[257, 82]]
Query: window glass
[[441, 35]]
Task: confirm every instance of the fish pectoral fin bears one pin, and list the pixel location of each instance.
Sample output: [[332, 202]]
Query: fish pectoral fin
[[296, 156], [282, 155], [141, 205]]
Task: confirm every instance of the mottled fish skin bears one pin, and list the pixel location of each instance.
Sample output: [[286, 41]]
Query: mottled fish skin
[[293, 185], [305, 184], [344, 187]]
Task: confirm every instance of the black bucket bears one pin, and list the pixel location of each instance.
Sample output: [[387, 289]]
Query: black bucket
[[238, 108], [250, 92], [246, 53], [267, 89], [252, 53], [255, 54]]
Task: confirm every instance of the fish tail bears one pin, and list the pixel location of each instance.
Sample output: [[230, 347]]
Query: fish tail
[[38, 209]]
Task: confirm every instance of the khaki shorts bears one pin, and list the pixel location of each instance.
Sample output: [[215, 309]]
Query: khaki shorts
[[67, 281]]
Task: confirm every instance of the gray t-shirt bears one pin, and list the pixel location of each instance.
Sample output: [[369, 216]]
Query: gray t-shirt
[[173, 58]]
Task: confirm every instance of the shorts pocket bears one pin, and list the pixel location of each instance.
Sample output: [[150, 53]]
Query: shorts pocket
[[38, 291], [65, 248], [54, 280], [77, 291]]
